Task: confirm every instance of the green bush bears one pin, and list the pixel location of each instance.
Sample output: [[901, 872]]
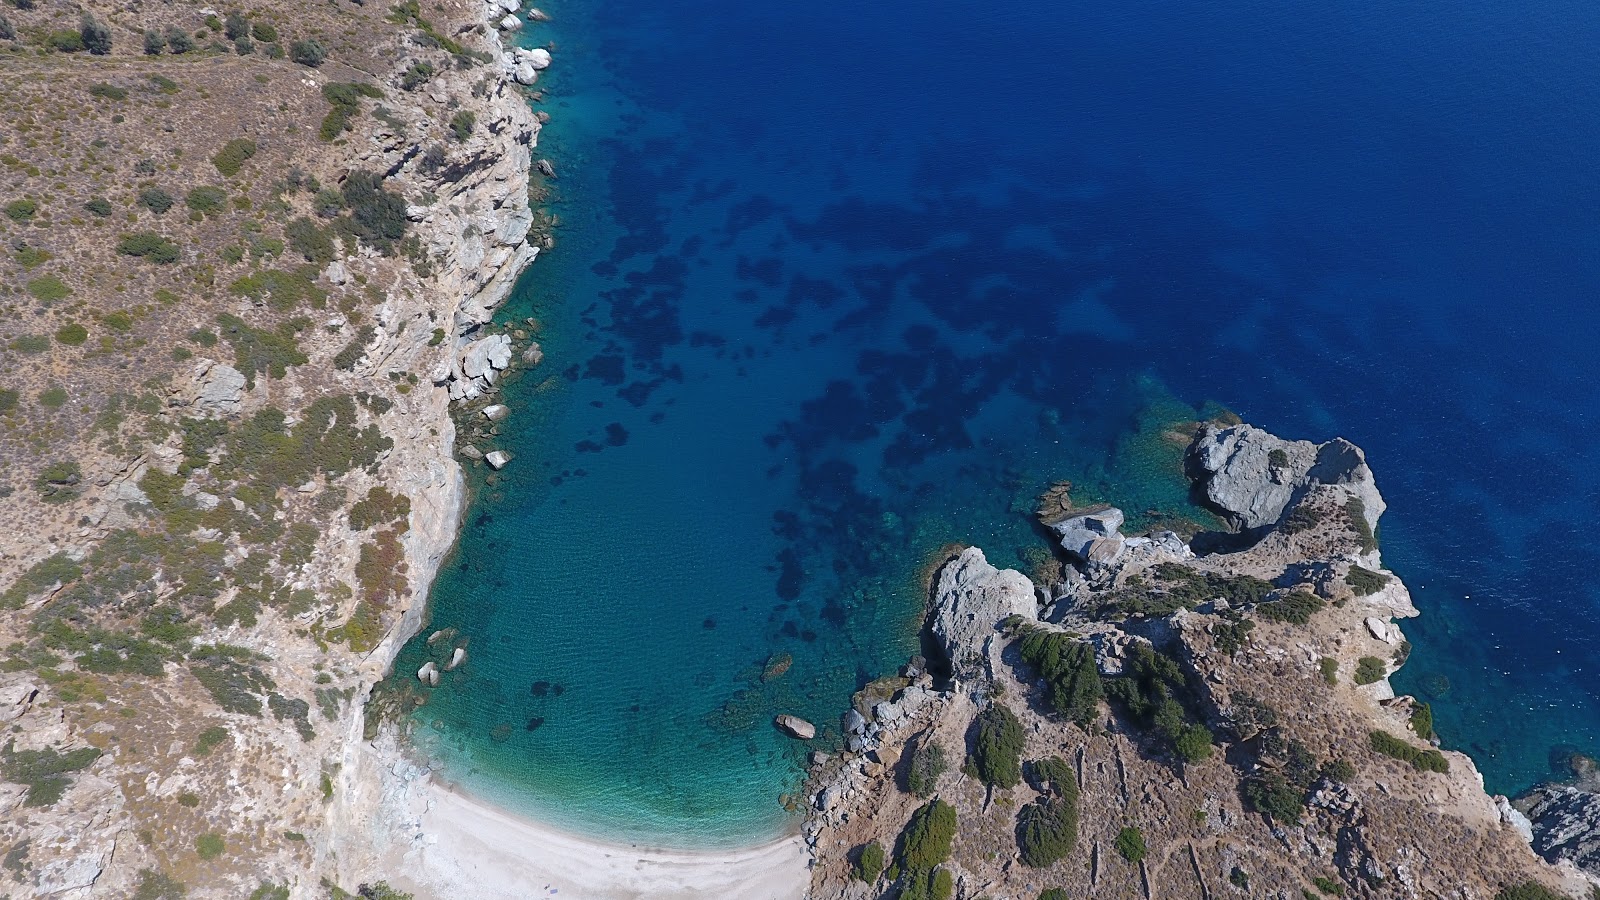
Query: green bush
[[1528, 890], [1296, 608], [258, 351], [94, 35], [462, 124], [1130, 843], [32, 257], [1053, 894], [7, 32], [72, 334], [308, 53], [1370, 670], [1365, 581], [264, 32], [154, 43], [47, 572], [1180, 587], [376, 215], [48, 289], [233, 155], [1330, 670], [100, 206], [1429, 760], [108, 91], [1338, 770], [1068, 668], [927, 760], [270, 891], [311, 241], [236, 26], [1328, 886], [997, 751], [230, 676], [206, 200], [380, 508], [1047, 828], [925, 841], [210, 739], [155, 885], [1357, 511], [1422, 721], [178, 40], [65, 40], [29, 343], [8, 401], [59, 482], [282, 290], [1274, 797], [54, 397], [44, 772], [1155, 693], [416, 76], [209, 845], [21, 210], [869, 862], [148, 246], [156, 200]]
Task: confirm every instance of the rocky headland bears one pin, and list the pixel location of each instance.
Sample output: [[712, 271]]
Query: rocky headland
[[1171, 718]]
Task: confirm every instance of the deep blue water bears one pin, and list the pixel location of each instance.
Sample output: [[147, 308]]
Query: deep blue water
[[836, 284]]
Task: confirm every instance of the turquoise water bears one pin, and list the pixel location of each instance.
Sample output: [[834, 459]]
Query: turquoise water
[[838, 285]]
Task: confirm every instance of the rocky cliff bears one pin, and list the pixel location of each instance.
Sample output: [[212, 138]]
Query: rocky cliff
[[1172, 723]]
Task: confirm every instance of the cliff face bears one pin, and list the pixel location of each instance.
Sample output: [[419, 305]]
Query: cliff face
[[1181, 725], [262, 483]]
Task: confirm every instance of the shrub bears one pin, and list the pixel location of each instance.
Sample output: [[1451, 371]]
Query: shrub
[[1154, 691], [1296, 608], [96, 37], [1047, 829], [43, 772], [462, 124], [72, 335], [378, 508], [156, 200], [1053, 894], [206, 200], [21, 210], [1068, 667], [30, 343], [108, 91], [7, 33], [1130, 843], [376, 215], [1338, 770], [230, 676], [997, 752], [1330, 670], [1429, 760], [869, 862], [8, 401], [925, 843], [49, 289], [263, 32], [65, 40], [1365, 581], [257, 350], [54, 397], [1357, 511], [927, 761], [59, 481], [1328, 886], [345, 99], [1422, 721], [416, 76], [178, 40], [1274, 797], [281, 290], [32, 257], [244, 46], [155, 885], [231, 158], [310, 241], [308, 53], [210, 739], [1528, 890], [148, 246], [236, 26], [100, 206], [154, 43], [1370, 670], [166, 86], [208, 845]]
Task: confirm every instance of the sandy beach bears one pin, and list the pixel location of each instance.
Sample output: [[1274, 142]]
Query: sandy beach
[[429, 838]]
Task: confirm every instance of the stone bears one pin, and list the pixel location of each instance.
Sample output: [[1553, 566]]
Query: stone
[[535, 14], [524, 74], [970, 599], [496, 412], [218, 388], [1093, 537], [428, 674], [336, 273], [853, 722], [1513, 818], [1253, 477], [482, 358], [538, 57], [456, 659], [497, 459], [470, 452], [533, 355], [1387, 632], [1565, 823], [795, 727], [510, 23], [546, 168]]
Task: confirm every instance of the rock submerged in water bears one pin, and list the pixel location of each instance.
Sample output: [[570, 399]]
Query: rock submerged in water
[[429, 674], [456, 659], [496, 412], [497, 459], [777, 664], [795, 727]]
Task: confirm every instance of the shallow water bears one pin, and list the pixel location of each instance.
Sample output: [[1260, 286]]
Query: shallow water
[[838, 285]]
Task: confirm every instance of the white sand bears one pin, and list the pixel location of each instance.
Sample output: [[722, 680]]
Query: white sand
[[463, 849]]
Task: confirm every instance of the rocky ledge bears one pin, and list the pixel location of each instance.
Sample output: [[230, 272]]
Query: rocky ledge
[[1170, 718]]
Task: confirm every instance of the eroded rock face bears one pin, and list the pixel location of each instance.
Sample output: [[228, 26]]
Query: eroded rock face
[[1253, 477], [215, 388], [971, 598], [1566, 825]]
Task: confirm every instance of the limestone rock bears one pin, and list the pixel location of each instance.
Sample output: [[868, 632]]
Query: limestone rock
[[1388, 632], [1566, 825], [497, 459], [496, 412], [216, 388], [336, 273], [795, 727], [482, 358], [1253, 477], [470, 452], [524, 74], [510, 23], [538, 57], [1094, 537], [428, 674], [1513, 818], [456, 659], [970, 600]]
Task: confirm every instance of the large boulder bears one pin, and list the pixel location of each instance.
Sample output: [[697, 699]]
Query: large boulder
[[1253, 477], [796, 727], [1566, 825], [1093, 537], [970, 599]]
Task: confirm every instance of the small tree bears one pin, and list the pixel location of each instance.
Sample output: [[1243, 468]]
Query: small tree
[[96, 36], [7, 33], [461, 125], [308, 53], [997, 753], [178, 40], [154, 43], [1130, 843], [869, 862], [927, 764], [236, 26]]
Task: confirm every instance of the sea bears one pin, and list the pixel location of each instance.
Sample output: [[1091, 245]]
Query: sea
[[836, 286]]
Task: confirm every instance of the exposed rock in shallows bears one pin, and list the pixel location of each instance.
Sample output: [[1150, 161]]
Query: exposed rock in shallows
[[1093, 537], [428, 674], [497, 412], [456, 659], [971, 599], [497, 459], [1253, 477], [796, 727]]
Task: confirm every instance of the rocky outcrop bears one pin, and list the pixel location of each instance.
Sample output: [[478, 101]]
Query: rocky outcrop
[[1093, 538], [213, 388], [479, 365], [1566, 825], [1252, 477], [795, 727], [971, 598]]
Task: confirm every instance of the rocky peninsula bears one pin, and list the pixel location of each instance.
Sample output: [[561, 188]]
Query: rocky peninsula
[[1163, 717]]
